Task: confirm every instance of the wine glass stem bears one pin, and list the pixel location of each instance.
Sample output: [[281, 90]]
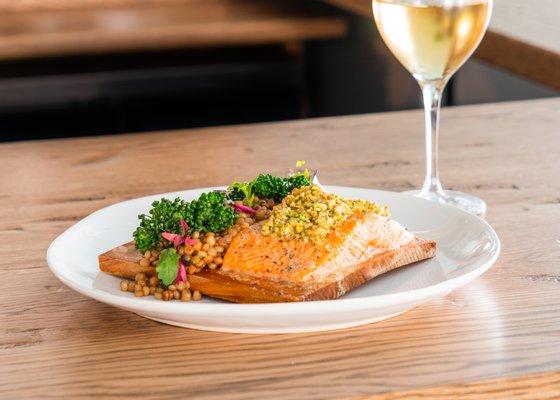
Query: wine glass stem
[[431, 94]]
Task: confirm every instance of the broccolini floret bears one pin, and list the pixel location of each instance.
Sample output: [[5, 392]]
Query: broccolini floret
[[298, 180], [209, 213], [268, 186], [164, 216]]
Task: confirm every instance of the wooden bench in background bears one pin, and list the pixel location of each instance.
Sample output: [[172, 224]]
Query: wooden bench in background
[[31, 28], [523, 37]]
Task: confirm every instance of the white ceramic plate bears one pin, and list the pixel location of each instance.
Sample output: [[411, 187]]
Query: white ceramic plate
[[467, 246]]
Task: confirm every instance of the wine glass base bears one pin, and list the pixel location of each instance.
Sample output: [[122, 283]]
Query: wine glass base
[[464, 201]]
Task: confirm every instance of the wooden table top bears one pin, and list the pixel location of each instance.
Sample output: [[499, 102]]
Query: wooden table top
[[523, 37], [54, 28], [498, 337]]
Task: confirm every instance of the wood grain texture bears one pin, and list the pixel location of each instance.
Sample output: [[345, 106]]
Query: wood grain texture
[[518, 388], [55, 343], [146, 25], [10, 6], [523, 37]]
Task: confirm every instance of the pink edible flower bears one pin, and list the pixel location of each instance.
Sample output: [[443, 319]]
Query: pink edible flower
[[178, 240], [189, 241], [181, 273], [243, 208], [186, 238], [184, 227]]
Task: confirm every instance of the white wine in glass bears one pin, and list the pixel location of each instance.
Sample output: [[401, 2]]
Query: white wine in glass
[[432, 39]]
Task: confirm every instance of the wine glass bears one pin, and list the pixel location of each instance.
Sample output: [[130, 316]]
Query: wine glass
[[432, 39]]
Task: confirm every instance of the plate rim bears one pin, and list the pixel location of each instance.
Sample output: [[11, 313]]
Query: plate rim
[[306, 307]]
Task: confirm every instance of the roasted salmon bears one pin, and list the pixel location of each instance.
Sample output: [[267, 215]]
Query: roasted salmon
[[265, 268]]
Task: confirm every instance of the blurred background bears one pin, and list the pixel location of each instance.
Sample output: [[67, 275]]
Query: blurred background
[[92, 67]]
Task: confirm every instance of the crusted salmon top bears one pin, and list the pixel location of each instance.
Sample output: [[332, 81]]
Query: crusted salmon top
[[310, 214]]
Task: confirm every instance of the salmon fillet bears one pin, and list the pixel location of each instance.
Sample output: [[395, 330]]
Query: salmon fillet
[[365, 245], [258, 268]]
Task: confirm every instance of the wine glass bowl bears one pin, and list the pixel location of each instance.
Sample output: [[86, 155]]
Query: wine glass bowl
[[432, 39]]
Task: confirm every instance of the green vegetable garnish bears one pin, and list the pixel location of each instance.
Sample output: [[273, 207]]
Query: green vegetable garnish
[[269, 186], [168, 266], [209, 213], [273, 187], [164, 216], [299, 180], [242, 191]]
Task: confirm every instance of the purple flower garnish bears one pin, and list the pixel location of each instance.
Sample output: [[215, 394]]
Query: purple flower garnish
[[243, 208], [177, 239], [181, 273]]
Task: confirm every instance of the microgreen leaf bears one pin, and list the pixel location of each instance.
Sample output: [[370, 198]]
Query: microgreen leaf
[[168, 266], [247, 189]]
